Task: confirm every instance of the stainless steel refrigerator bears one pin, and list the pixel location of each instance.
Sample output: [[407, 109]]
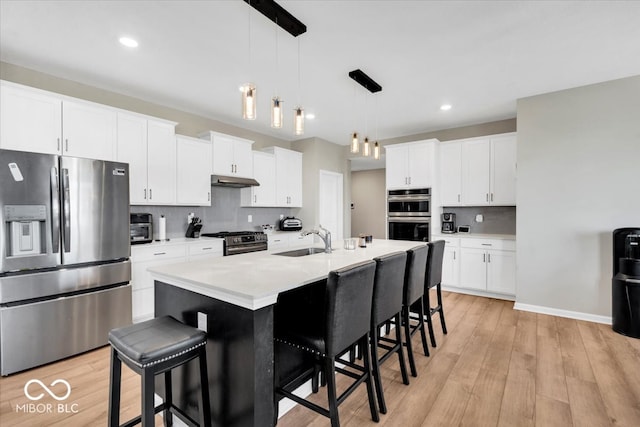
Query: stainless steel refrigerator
[[64, 256]]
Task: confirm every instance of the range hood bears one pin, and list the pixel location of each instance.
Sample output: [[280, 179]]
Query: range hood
[[232, 181]]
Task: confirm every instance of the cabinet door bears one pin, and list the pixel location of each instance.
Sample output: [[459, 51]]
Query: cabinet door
[[501, 272], [420, 165], [451, 267], [193, 171], [132, 149], [88, 131], [503, 170], [475, 172], [397, 167], [264, 171], [473, 268], [451, 174], [223, 155], [161, 170], [30, 121], [294, 163], [277, 241], [243, 159]]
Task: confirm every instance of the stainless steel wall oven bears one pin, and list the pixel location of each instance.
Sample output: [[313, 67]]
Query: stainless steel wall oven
[[409, 214]]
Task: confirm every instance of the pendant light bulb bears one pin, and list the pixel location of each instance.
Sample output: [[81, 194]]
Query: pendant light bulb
[[366, 148], [276, 112], [298, 121], [249, 101], [355, 144], [376, 151]]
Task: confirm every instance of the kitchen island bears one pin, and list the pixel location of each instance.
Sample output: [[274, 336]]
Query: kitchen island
[[233, 298]]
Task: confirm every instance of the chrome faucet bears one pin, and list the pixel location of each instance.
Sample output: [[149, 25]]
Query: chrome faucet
[[326, 238]]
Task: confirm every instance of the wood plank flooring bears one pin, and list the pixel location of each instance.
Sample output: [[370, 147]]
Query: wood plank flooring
[[496, 367]]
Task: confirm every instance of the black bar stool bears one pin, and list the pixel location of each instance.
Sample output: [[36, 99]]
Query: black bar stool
[[151, 348], [433, 278], [344, 318], [387, 305], [412, 300]]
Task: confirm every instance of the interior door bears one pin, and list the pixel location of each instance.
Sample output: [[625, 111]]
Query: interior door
[[95, 210], [330, 208]]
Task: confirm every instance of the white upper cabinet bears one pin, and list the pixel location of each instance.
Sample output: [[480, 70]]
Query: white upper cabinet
[[264, 171], [488, 171], [410, 165], [43, 122], [288, 177], [193, 171], [451, 174], [149, 146], [231, 155]]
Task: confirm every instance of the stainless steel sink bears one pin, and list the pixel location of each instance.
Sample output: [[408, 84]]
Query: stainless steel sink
[[301, 252]]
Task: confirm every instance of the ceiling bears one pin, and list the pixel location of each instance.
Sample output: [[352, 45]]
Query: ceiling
[[478, 56]]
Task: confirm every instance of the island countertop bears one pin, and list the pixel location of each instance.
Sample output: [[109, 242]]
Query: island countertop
[[254, 280]]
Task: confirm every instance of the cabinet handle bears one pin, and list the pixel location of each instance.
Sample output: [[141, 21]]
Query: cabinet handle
[[160, 253], [458, 198], [487, 194], [206, 249], [492, 197], [454, 255], [145, 194], [58, 139], [255, 199], [487, 244], [484, 257], [409, 180], [208, 196], [66, 144], [150, 194], [488, 257], [231, 167]]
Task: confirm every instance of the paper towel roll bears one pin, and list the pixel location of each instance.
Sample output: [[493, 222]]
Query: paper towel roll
[[162, 228]]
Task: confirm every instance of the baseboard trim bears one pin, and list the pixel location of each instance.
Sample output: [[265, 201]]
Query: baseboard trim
[[478, 293], [563, 313]]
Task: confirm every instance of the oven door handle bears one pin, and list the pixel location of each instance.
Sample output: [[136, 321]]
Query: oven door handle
[[420, 198], [233, 250], [420, 220]]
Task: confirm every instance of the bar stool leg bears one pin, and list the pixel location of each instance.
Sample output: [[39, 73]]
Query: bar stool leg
[[329, 370], [423, 335], [114, 389], [407, 336], [376, 370], [367, 366], [444, 325], [168, 400], [148, 408], [205, 403], [427, 309], [403, 366]]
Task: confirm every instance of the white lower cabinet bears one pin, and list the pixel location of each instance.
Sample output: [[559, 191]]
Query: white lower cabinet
[[481, 265], [145, 256], [288, 239]]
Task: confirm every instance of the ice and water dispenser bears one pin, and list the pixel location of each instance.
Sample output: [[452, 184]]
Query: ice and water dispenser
[[25, 230], [626, 282]]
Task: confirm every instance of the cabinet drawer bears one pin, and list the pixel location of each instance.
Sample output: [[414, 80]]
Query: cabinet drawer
[[148, 253], [207, 247], [498, 244], [450, 242]]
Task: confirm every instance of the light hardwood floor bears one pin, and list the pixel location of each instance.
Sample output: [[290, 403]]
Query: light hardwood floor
[[496, 367]]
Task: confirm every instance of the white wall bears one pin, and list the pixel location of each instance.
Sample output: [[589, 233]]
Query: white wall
[[578, 179]]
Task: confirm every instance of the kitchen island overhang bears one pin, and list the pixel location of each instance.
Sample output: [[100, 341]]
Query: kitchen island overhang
[[236, 296]]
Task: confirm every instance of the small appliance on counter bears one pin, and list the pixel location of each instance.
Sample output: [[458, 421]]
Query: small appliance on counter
[[140, 228], [193, 230], [625, 287], [448, 222], [290, 224], [464, 229]]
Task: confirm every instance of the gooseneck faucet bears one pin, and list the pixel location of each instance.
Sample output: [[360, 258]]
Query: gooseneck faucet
[[326, 238]]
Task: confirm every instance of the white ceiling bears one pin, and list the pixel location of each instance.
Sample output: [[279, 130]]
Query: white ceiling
[[193, 55]]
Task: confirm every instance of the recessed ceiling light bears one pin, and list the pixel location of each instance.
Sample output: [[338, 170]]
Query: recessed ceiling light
[[310, 116], [128, 42], [445, 107]]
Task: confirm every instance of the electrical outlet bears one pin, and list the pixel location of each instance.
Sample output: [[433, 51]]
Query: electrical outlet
[[202, 321], [249, 218], [479, 218], [281, 216]]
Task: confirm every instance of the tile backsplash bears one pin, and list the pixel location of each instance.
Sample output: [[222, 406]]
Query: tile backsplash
[[224, 214], [496, 219]]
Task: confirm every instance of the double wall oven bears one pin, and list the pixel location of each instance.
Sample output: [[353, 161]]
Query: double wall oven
[[409, 214]]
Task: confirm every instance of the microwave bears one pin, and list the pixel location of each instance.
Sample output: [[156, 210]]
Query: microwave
[[414, 202], [140, 228]]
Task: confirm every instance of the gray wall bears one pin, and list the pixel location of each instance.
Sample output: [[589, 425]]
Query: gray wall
[[578, 179], [496, 219], [368, 195]]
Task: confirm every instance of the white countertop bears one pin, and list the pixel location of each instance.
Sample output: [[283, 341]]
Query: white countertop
[[174, 241], [254, 280], [474, 236]]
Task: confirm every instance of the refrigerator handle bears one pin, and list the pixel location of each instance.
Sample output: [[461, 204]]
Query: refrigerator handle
[[66, 211], [55, 211]]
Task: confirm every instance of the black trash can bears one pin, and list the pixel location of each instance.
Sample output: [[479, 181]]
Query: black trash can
[[626, 282]]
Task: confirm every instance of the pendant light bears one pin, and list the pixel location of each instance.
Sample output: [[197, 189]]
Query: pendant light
[[298, 117], [249, 89], [276, 102], [366, 147]]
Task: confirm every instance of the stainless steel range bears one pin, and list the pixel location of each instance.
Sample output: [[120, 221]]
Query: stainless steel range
[[241, 242]]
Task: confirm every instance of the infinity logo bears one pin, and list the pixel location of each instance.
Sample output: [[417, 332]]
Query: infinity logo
[[47, 389]]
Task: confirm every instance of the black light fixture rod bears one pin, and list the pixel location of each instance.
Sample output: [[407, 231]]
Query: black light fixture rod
[[366, 81], [279, 15]]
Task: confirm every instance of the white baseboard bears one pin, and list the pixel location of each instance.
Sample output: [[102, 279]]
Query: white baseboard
[[478, 293], [563, 313]]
